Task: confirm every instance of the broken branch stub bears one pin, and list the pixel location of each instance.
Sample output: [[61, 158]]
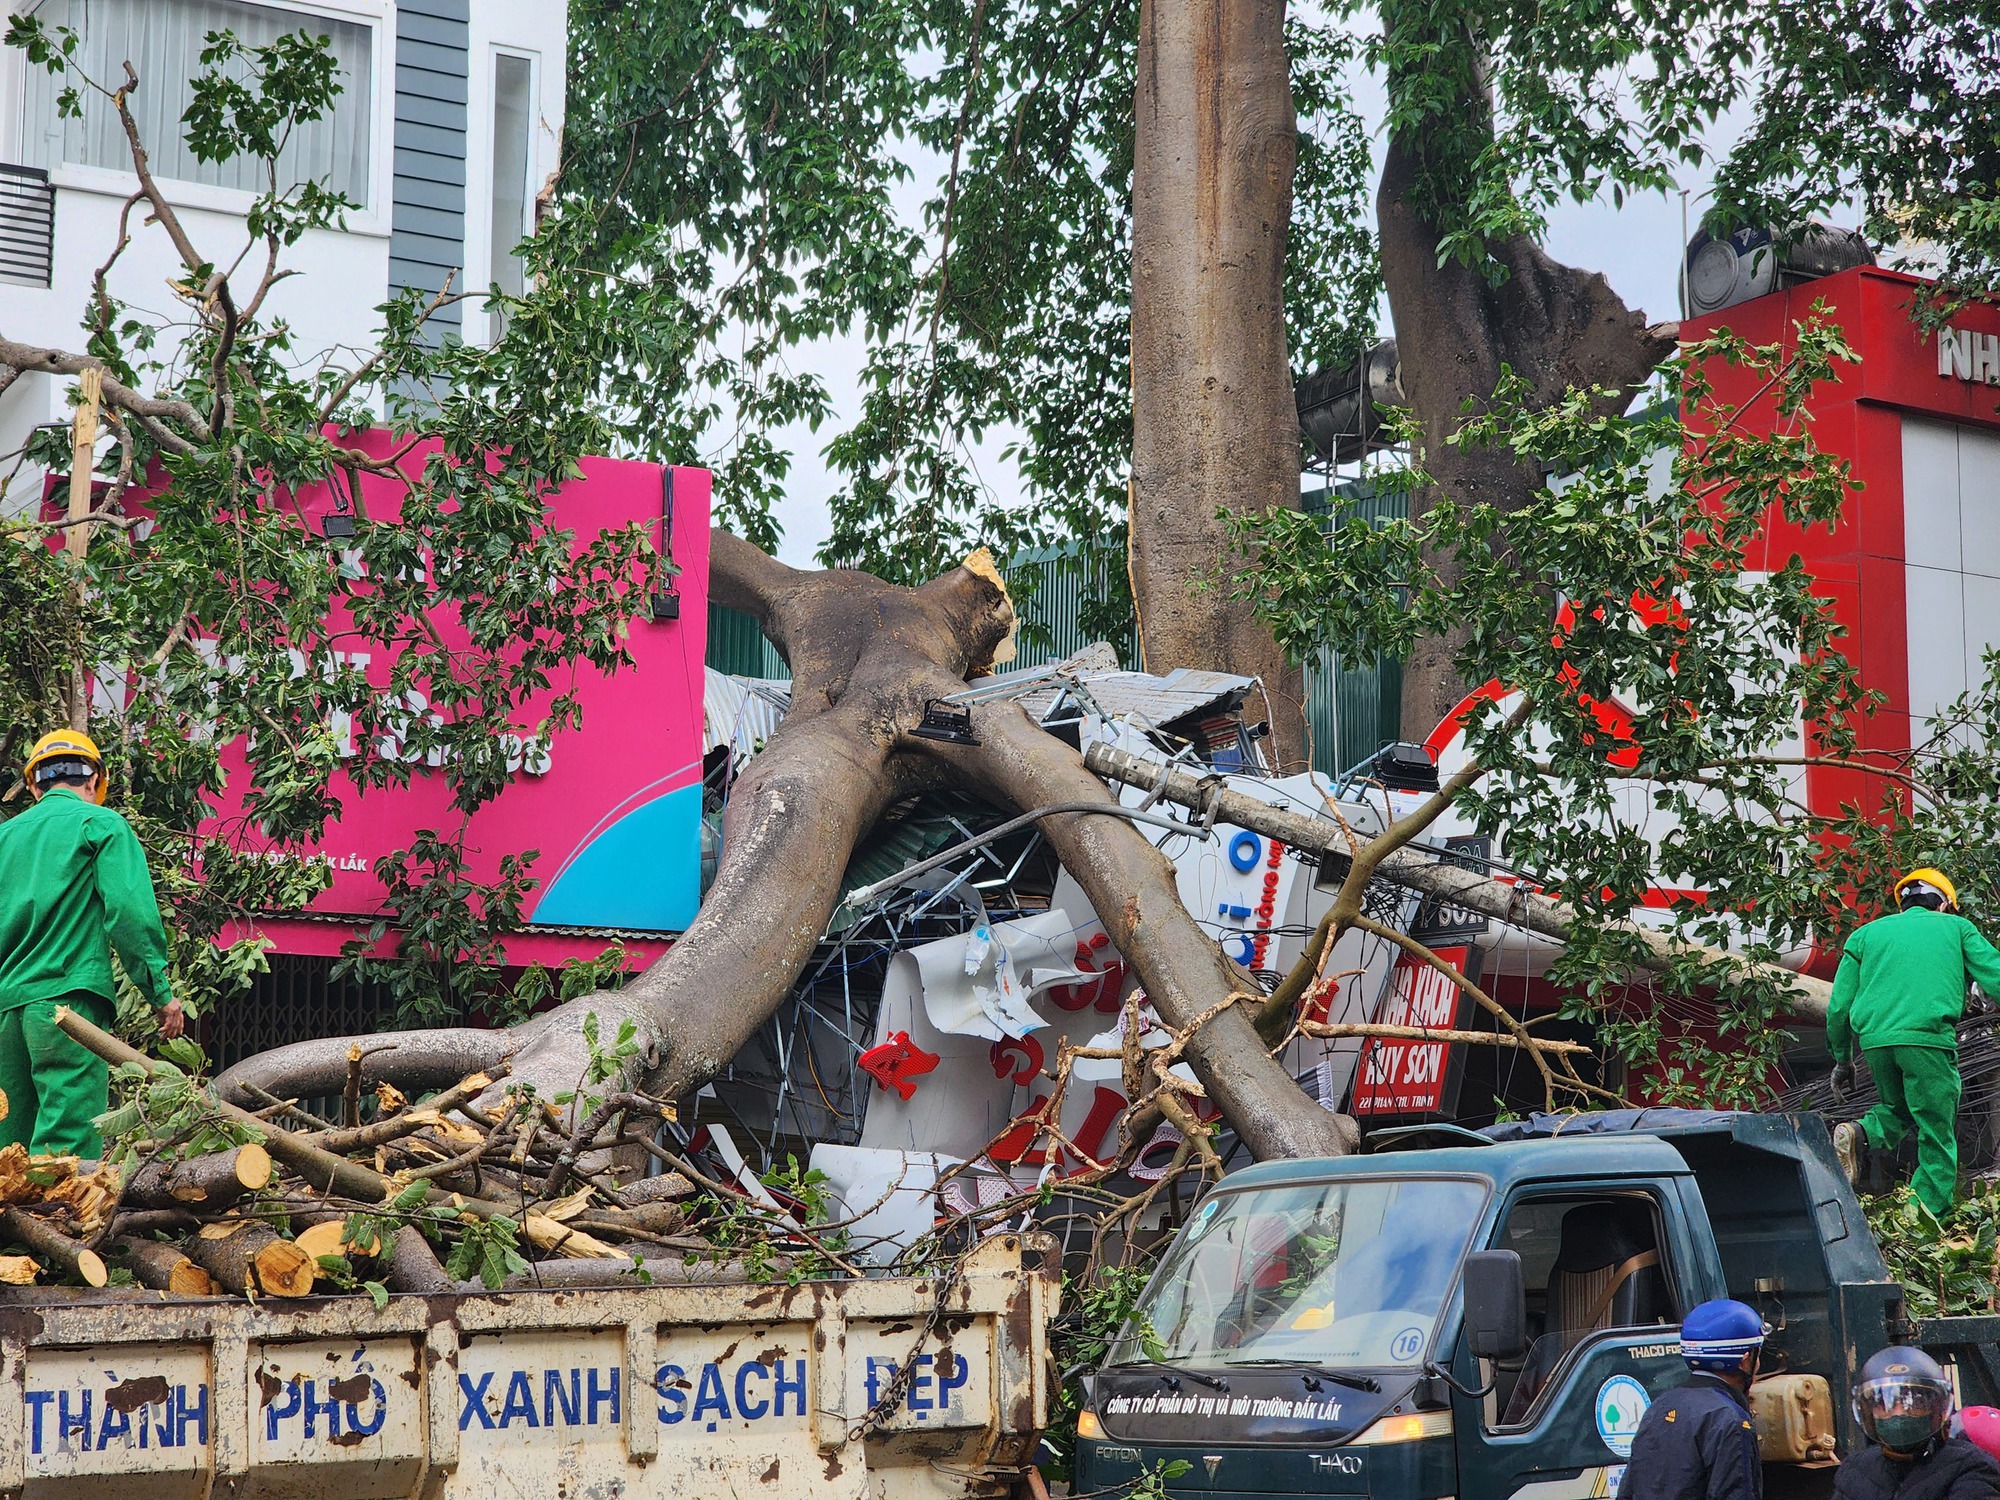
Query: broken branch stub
[[1452, 884]]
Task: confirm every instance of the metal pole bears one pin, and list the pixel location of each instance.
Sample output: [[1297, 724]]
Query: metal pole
[[1421, 870]]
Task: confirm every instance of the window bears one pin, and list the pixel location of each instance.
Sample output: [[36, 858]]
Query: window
[[163, 39], [1348, 1274], [1590, 1264], [513, 141]]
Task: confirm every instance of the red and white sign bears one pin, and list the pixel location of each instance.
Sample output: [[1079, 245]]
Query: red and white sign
[[1913, 568], [1407, 1077]]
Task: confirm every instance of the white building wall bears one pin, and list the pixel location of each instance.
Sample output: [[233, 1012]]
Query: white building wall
[[1951, 540], [330, 305], [540, 32]]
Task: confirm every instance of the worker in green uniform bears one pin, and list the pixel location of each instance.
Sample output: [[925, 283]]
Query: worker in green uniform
[[73, 886], [1898, 995]]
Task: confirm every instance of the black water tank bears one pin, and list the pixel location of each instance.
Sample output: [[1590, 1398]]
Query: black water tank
[[1720, 273], [1342, 410]]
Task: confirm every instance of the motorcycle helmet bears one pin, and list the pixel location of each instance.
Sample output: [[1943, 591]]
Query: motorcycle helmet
[[1902, 1399]]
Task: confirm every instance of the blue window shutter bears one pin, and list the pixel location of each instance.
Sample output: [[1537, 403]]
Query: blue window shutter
[[427, 219]]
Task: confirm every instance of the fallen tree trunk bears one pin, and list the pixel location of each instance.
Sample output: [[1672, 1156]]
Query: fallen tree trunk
[[1417, 871], [865, 656]]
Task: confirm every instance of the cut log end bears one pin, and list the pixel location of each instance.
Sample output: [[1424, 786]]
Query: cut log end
[[253, 1167], [285, 1270], [91, 1270], [330, 1238]]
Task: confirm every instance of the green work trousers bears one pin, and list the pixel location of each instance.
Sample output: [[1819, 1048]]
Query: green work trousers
[[55, 1088], [1919, 1088]]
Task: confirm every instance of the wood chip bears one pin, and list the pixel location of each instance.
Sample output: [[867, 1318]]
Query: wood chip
[[19, 1270], [545, 1233], [565, 1209]]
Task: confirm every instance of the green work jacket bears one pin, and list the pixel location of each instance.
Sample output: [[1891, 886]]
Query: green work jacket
[[73, 886], [1901, 981]]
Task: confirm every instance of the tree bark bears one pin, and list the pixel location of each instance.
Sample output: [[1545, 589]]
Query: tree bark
[[1556, 327], [254, 1259], [52, 1247], [865, 656], [209, 1182], [413, 1265], [1213, 420], [163, 1267]]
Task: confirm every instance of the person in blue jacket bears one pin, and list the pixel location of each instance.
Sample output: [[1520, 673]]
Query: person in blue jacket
[[1697, 1442]]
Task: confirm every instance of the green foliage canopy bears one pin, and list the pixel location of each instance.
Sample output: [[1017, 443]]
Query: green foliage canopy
[[204, 606]]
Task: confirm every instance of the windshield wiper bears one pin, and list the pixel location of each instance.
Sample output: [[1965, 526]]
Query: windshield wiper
[[1366, 1383], [1169, 1373]]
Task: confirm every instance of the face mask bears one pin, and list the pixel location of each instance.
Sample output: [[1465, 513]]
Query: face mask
[[1904, 1433]]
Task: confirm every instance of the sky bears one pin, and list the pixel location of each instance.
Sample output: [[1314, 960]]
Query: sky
[[1638, 247]]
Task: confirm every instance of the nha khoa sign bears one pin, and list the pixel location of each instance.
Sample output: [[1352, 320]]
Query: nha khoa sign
[[1967, 354], [613, 807]]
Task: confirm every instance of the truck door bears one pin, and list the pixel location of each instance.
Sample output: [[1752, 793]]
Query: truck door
[[1604, 1309]]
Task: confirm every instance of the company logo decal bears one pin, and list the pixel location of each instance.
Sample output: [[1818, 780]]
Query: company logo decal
[[1621, 1402]]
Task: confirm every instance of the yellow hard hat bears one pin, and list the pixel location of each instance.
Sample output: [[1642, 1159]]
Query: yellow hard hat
[[65, 744], [1931, 877]]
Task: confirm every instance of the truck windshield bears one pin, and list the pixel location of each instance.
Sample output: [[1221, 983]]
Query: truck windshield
[[1330, 1274]]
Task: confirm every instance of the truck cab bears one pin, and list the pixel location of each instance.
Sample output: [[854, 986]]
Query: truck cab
[[1485, 1315]]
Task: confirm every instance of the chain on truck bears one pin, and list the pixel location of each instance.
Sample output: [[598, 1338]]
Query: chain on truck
[[890, 1389], [1488, 1315]]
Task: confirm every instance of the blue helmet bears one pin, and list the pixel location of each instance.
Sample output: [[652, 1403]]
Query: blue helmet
[[1716, 1335]]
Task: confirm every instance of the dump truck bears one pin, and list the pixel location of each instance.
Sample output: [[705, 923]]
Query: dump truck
[[868, 1389], [1488, 1315]]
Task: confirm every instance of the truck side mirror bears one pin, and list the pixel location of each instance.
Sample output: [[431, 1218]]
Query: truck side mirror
[[1496, 1305]]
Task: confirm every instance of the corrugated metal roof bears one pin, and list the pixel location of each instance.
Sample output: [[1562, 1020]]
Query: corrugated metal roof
[[1150, 699], [741, 712]]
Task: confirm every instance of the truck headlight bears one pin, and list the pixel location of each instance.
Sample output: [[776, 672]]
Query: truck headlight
[[1087, 1425], [1408, 1429]]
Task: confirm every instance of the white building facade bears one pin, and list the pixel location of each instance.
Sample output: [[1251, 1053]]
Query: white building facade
[[448, 126]]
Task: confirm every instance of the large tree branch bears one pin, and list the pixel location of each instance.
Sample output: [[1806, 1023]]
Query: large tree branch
[[1556, 327], [1450, 884], [149, 412], [1131, 887]]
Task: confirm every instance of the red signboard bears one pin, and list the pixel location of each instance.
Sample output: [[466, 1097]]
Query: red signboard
[[1408, 1077]]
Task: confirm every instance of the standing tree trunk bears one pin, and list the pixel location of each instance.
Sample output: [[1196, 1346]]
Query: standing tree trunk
[[1213, 419], [1556, 327]]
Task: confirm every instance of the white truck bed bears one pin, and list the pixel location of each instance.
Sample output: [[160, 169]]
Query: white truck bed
[[705, 1392]]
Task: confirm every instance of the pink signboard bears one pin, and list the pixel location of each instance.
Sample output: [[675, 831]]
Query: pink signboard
[[613, 806]]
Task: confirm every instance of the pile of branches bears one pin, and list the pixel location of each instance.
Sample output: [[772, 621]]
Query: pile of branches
[[481, 1187]]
